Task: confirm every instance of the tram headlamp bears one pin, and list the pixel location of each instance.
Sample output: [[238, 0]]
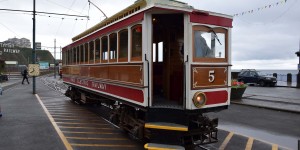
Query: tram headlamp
[[199, 99]]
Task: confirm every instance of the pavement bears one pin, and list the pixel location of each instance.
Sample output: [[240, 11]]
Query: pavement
[[24, 124], [281, 98]]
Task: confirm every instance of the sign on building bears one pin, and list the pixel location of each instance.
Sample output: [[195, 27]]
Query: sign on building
[[38, 45], [44, 65]]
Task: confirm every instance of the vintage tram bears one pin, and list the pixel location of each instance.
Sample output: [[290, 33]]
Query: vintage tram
[[160, 65]]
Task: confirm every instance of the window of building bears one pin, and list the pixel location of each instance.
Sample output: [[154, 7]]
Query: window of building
[[210, 44], [104, 49], [113, 47], [123, 45], [136, 43], [97, 51], [91, 49]]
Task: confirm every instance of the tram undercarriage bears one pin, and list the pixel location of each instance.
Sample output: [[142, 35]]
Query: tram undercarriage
[[201, 129]]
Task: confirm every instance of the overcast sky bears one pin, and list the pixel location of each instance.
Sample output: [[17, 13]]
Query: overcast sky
[[264, 39]]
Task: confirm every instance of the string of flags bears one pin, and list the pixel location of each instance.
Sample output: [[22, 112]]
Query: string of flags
[[260, 8]]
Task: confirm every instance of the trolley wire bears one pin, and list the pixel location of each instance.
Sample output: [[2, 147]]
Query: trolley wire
[[10, 29], [41, 12]]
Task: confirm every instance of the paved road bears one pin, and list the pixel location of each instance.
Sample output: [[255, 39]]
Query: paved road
[[264, 124]]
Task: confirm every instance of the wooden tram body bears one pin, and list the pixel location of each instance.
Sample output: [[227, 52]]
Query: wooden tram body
[[160, 65]]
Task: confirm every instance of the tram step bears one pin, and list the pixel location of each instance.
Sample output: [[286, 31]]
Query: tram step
[[166, 126], [154, 146]]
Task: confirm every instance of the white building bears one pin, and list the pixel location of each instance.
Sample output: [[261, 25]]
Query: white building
[[23, 42]]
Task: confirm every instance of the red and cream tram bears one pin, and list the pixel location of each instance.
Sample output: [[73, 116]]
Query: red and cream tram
[[160, 65]]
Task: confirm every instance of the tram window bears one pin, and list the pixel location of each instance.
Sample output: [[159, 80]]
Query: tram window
[[74, 55], [97, 51], [113, 46], [81, 53], [136, 43], [210, 44], [86, 53], [160, 52], [91, 49], [69, 57], [154, 52], [123, 45], [78, 53], [104, 48]]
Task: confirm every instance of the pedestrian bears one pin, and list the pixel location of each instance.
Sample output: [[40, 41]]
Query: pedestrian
[[0, 95], [25, 74]]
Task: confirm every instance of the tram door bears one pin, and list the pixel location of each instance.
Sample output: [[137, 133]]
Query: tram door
[[168, 60]]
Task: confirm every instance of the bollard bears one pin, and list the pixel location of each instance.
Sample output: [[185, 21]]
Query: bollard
[[275, 75], [289, 77], [298, 144]]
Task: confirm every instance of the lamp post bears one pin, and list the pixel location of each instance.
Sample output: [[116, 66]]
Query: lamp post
[[33, 47]]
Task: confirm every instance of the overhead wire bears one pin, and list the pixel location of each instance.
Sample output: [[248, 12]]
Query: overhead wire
[[10, 29], [63, 6]]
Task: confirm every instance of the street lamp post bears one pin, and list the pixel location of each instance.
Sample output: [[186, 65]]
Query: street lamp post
[[33, 47]]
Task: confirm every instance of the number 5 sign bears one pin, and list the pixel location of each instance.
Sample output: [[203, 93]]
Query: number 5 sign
[[205, 77]]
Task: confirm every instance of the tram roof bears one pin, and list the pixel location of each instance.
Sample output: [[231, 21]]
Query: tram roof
[[139, 6]]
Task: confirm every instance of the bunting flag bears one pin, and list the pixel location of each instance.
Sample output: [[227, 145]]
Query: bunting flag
[[260, 8]]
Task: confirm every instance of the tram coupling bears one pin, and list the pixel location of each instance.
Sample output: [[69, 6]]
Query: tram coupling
[[202, 130]]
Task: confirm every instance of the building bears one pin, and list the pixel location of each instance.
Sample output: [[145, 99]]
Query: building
[[23, 42]]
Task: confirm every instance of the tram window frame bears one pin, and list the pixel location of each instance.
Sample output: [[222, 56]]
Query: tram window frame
[[97, 50], [113, 44], [91, 52], [86, 53], [136, 55], [209, 30], [123, 45], [103, 58]]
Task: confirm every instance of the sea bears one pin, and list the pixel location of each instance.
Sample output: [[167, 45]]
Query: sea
[[281, 74]]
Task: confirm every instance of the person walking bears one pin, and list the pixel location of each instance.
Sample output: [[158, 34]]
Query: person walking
[[0, 95], [25, 74]]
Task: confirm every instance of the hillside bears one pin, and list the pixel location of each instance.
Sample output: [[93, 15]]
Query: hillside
[[25, 56]]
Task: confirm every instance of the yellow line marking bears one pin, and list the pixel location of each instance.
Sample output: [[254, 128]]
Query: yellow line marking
[[65, 127], [102, 145], [274, 147], [255, 139], [225, 142], [71, 113], [67, 116], [91, 123], [165, 127], [89, 138], [61, 135], [88, 132], [79, 119], [146, 146], [77, 110], [249, 144]]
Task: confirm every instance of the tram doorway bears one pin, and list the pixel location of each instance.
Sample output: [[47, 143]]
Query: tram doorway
[[168, 33]]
